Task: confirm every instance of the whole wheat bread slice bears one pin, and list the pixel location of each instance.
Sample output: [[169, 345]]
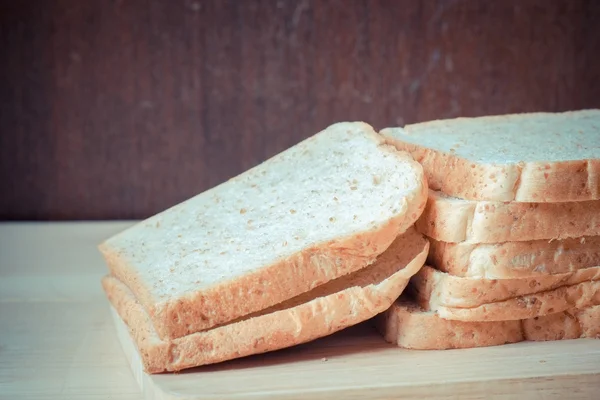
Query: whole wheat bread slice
[[333, 306], [530, 259], [408, 325], [448, 290], [451, 219], [581, 295], [536, 157], [321, 209]]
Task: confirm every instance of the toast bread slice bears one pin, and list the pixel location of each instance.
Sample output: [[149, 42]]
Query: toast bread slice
[[579, 296], [454, 291], [322, 209], [532, 157], [324, 310], [509, 260], [450, 219], [409, 326]]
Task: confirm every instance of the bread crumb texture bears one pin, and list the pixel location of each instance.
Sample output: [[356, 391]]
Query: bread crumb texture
[[305, 216], [536, 157]]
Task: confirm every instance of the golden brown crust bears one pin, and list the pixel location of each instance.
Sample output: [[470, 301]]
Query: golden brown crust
[[538, 182], [407, 325], [454, 220], [529, 259], [579, 296], [277, 281], [442, 289], [268, 286], [369, 292]]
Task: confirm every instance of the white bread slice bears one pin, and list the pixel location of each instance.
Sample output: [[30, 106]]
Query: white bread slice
[[451, 219], [453, 291], [581, 295], [337, 304], [321, 209], [408, 325], [530, 259], [536, 157]]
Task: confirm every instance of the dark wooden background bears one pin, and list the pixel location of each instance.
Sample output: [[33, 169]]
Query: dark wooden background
[[118, 109]]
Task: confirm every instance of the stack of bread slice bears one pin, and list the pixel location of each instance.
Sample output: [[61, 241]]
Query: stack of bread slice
[[315, 239], [513, 218]]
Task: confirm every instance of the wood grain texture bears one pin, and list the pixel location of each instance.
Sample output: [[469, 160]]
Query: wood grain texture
[[119, 109]]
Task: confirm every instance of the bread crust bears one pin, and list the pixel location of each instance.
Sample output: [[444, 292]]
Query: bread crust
[[452, 291], [524, 181], [276, 282], [407, 325], [455, 220], [579, 296], [334, 306], [511, 260], [268, 286]]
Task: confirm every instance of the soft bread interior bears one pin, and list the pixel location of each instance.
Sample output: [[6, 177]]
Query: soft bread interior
[[463, 158], [319, 210], [507, 139], [322, 311]]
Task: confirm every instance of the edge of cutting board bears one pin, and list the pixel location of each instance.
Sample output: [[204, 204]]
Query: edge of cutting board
[[357, 363]]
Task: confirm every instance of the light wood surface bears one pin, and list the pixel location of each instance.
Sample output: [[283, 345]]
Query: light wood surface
[[56, 337], [57, 341]]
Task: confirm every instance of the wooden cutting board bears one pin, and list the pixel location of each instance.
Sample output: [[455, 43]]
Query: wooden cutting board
[[357, 363]]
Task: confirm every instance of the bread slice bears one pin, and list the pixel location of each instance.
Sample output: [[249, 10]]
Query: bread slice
[[453, 291], [581, 295], [536, 157], [335, 305], [321, 209], [451, 219], [538, 258], [408, 325]]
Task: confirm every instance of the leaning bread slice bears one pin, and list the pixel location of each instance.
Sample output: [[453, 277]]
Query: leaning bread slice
[[453, 291], [451, 219], [410, 326], [536, 157], [321, 209], [538, 258], [337, 304], [581, 295]]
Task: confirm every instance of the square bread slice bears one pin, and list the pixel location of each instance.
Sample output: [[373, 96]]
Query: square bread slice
[[407, 325], [317, 211], [581, 295], [454, 291], [454, 220], [508, 260], [535, 157], [329, 308]]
